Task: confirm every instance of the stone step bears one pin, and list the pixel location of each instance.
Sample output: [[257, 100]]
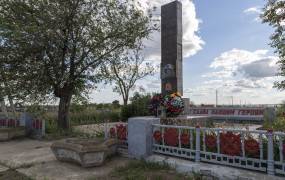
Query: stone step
[[123, 152]]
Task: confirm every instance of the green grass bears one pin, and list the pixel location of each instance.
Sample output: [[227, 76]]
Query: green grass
[[13, 175], [141, 170]]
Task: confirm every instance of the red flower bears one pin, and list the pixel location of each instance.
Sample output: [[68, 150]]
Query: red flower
[[171, 137], [157, 136], [230, 144], [112, 132], [185, 138], [211, 141], [251, 146]]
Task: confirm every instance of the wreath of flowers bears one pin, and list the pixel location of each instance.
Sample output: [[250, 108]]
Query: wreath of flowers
[[173, 104], [171, 137], [155, 103], [251, 147], [121, 132], [157, 136], [230, 144], [211, 141]]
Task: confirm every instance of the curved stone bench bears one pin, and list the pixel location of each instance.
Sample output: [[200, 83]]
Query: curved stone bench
[[86, 152]]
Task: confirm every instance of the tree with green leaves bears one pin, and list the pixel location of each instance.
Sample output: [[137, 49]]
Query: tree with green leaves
[[125, 69], [274, 15], [58, 47]]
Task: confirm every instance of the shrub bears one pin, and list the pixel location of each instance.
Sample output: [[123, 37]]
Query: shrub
[[137, 107]]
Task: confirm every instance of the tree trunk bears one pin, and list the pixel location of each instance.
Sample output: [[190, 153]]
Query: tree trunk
[[63, 111], [3, 107], [125, 101], [12, 105]]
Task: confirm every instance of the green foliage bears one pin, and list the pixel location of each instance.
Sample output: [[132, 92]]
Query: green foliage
[[56, 48], [278, 123], [138, 106], [274, 13]]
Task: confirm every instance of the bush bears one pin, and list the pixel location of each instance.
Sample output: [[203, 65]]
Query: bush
[[138, 107]]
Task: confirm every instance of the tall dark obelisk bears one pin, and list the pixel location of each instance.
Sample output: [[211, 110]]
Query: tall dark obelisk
[[171, 48]]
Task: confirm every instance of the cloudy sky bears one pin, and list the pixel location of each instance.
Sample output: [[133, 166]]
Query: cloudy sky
[[225, 48]]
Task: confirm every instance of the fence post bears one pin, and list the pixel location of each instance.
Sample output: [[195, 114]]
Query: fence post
[[197, 154], [270, 153]]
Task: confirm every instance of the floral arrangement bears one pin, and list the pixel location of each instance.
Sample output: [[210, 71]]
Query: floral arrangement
[[171, 137], [121, 132], [230, 144], [211, 141], [157, 136], [251, 147], [173, 104], [155, 103]]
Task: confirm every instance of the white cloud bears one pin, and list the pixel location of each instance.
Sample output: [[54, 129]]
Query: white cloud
[[192, 42], [256, 64], [246, 75], [253, 10]]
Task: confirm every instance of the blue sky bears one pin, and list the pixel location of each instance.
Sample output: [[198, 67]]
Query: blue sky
[[225, 48]]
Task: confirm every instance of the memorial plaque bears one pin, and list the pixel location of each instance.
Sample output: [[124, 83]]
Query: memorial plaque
[[171, 48]]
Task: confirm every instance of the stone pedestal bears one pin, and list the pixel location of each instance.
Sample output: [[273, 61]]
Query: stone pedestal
[[86, 152], [140, 136]]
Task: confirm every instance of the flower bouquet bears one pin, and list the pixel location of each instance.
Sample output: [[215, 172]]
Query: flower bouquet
[[173, 104]]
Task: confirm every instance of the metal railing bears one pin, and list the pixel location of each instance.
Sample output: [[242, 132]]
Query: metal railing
[[249, 149]]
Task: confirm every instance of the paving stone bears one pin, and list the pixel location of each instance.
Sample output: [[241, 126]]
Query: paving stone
[[217, 171]]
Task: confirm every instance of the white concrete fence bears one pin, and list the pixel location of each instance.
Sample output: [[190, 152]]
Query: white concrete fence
[[269, 146], [254, 150]]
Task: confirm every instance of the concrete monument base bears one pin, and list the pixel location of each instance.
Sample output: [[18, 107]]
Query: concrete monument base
[[11, 133], [140, 136], [85, 152]]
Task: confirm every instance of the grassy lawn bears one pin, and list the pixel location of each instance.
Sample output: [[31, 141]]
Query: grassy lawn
[[140, 170], [13, 175]]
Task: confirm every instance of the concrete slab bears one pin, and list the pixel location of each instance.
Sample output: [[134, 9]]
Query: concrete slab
[[55, 170], [217, 171], [25, 152]]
